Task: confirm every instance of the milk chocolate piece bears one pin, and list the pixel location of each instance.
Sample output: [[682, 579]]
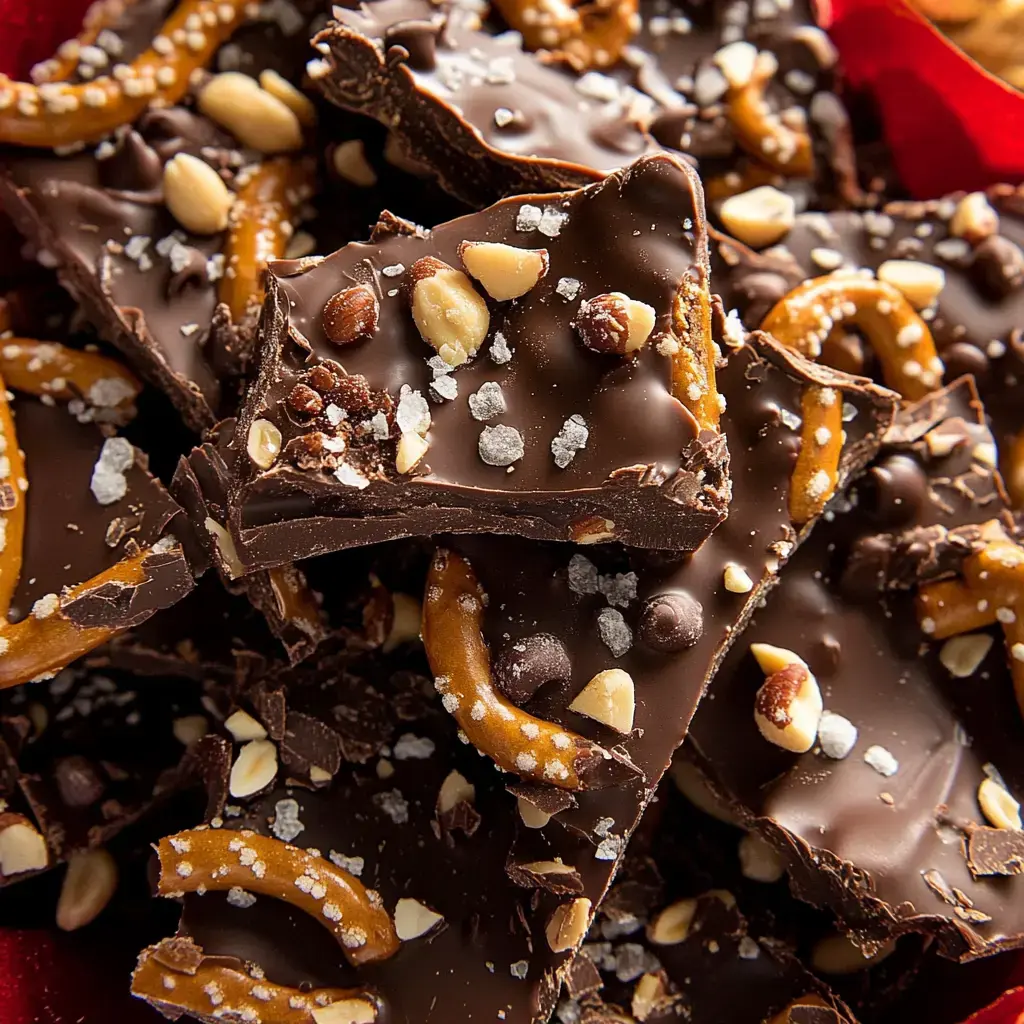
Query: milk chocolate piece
[[881, 836], [535, 434]]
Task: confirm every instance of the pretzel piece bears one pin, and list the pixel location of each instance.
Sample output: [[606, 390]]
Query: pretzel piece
[[804, 319], [221, 859], [948, 608], [762, 133], [13, 484], [816, 473], [1015, 469], [259, 229], [515, 740], [693, 365], [100, 15], [176, 975], [55, 114]]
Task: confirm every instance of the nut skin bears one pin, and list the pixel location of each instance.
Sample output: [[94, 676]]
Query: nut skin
[[603, 324], [351, 315], [526, 665], [304, 401], [778, 692], [671, 622]]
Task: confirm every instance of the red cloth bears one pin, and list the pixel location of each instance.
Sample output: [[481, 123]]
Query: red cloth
[[32, 31]]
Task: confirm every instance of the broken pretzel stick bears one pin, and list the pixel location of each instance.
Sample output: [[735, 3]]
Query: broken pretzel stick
[[13, 485], [259, 229], [176, 975], [804, 319], [56, 114], [218, 860], [693, 362], [515, 740], [77, 53], [816, 472]]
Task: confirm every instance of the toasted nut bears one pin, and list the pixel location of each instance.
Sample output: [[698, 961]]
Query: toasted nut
[[919, 283], [758, 860], [736, 579], [413, 919], [230, 563], [349, 159], [771, 658], [609, 699], [190, 729], [837, 954], [788, 705], [195, 195], [568, 924], [650, 995], [351, 315], [243, 727], [449, 313], [531, 815], [263, 443], [88, 885], [593, 530], [736, 61], [254, 769], [455, 789], [506, 272], [255, 117], [410, 452], [1001, 810], [345, 1011], [304, 401], [22, 848], [672, 924], [405, 622], [961, 655], [614, 323], [974, 218], [298, 103], [318, 775], [760, 217]]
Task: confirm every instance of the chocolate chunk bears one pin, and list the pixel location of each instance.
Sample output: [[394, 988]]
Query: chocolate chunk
[[523, 667], [671, 621], [995, 851]]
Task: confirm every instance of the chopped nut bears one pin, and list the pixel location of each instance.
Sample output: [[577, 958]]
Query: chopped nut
[[405, 622], [254, 116], [1001, 810], [974, 218], [88, 885], [737, 580], [411, 449], [349, 159], [758, 860], [230, 563], [190, 729], [759, 217], [609, 699], [672, 924], [455, 789], [837, 954], [648, 996], [614, 323], [263, 443], [243, 727], [345, 1011], [788, 705], [505, 271], [351, 315], [413, 919], [304, 401], [298, 103], [532, 816], [449, 313], [195, 195], [254, 769], [568, 924], [962, 655], [22, 848], [920, 283]]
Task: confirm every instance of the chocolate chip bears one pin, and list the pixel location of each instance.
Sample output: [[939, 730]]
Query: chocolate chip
[[963, 357], [998, 266], [671, 621], [78, 781], [527, 664], [896, 490]]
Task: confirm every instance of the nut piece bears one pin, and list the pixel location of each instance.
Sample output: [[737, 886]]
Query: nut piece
[[226, 550], [974, 218], [609, 699], [89, 883], [406, 613], [961, 655], [1001, 810], [263, 443], [689, 781], [672, 925], [413, 919], [254, 116], [650, 995], [456, 789], [788, 705], [349, 159], [532, 816], [351, 315], [22, 848], [345, 1011], [254, 769], [243, 727], [298, 103], [568, 924], [759, 217], [614, 323], [736, 579], [837, 954], [505, 271], [920, 283], [449, 313], [190, 729], [195, 195], [758, 860], [411, 449]]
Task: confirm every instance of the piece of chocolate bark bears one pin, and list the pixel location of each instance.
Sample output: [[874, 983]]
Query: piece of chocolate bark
[[539, 390], [872, 803]]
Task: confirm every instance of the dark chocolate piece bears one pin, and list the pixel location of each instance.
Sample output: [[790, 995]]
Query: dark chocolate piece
[[995, 851]]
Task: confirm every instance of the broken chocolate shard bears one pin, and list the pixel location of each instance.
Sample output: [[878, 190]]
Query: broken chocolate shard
[[995, 851]]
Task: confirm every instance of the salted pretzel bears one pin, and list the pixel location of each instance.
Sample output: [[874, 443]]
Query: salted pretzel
[[585, 35], [259, 228], [1014, 472], [515, 740], [804, 319], [220, 859], [13, 486], [101, 14], [56, 114], [177, 975], [816, 473], [693, 365]]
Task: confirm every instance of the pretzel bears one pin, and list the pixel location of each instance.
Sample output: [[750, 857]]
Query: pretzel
[[804, 319], [12, 509], [515, 740], [1014, 471], [215, 859], [816, 472], [585, 35], [55, 115], [693, 365], [259, 229], [176, 975], [763, 133], [100, 15], [749, 175]]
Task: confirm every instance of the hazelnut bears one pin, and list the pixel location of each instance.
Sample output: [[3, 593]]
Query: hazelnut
[[350, 316], [254, 769], [760, 217], [449, 313], [263, 443], [505, 271], [609, 699], [305, 401], [568, 925], [413, 919], [88, 885], [672, 924], [788, 705], [999, 808], [919, 283], [614, 323], [974, 218]]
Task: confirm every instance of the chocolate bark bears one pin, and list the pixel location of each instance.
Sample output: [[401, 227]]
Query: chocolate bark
[[882, 840]]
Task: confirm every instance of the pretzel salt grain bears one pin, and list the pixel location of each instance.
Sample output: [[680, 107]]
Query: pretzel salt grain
[[100, 15], [586, 35], [259, 228], [816, 472], [13, 484], [210, 989], [693, 359], [804, 319], [219, 859], [54, 114], [516, 741]]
